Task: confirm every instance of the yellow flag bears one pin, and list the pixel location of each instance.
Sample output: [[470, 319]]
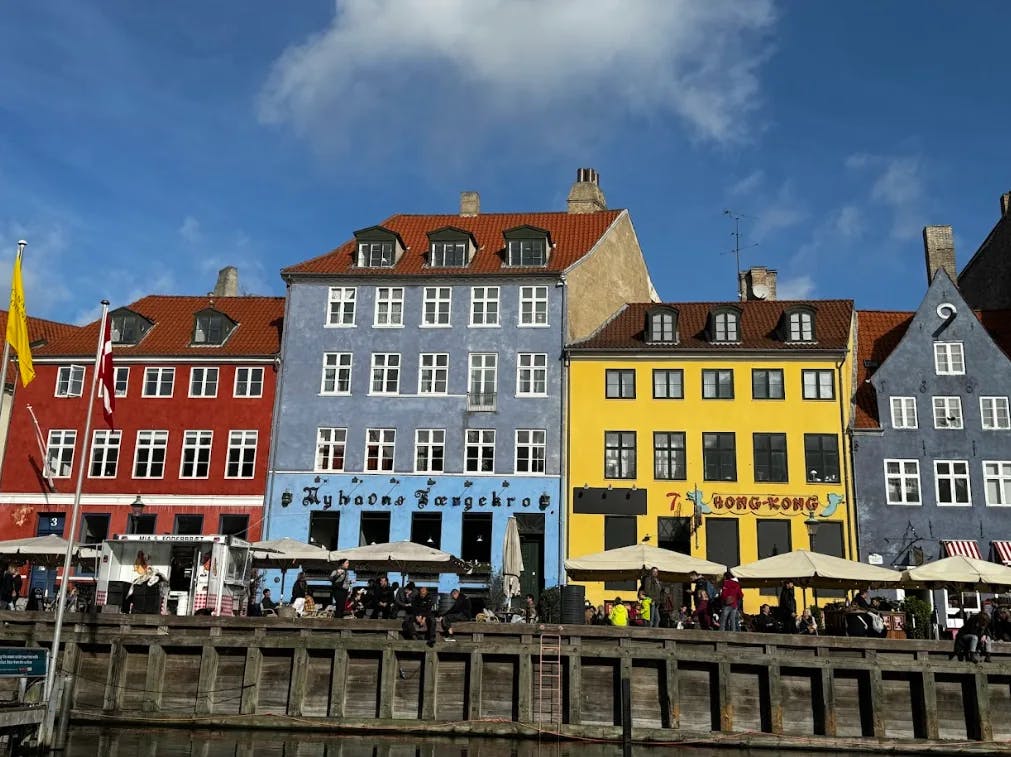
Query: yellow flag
[[17, 325]]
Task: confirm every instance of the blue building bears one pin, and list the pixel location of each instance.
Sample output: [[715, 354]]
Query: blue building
[[421, 387], [932, 432]]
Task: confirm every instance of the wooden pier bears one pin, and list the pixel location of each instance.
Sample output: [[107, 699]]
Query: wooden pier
[[758, 690]]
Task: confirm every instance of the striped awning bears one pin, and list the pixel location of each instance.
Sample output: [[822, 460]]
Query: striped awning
[[963, 547], [1002, 551]]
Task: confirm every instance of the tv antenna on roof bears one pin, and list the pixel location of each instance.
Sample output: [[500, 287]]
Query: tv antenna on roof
[[736, 234]]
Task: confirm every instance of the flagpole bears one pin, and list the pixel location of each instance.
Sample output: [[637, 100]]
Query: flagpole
[[74, 514], [6, 358]]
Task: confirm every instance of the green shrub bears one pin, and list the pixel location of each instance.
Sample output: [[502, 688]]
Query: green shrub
[[917, 617]]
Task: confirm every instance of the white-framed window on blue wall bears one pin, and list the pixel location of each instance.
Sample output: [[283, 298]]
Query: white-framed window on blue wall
[[436, 306], [385, 373], [530, 450], [531, 374], [195, 461], [433, 372], [482, 384], [903, 412], [951, 483], [389, 307], [480, 450], [429, 450], [997, 482], [533, 306], [203, 382], [484, 308], [947, 412], [949, 359], [340, 308], [336, 373], [902, 482], [994, 413], [330, 445], [380, 447]]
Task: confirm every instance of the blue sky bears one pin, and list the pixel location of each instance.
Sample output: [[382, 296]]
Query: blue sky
[[143, 146]]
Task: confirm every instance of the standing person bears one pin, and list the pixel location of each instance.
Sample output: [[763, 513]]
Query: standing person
[[703, 615], [298, 593], [701, 584], [652, 587], [788, 607], [530, 610], [731, 598], [340, 584], [460, 610], [10, 588]]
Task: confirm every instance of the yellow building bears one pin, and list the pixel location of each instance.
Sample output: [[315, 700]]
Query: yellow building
[[713, 429]]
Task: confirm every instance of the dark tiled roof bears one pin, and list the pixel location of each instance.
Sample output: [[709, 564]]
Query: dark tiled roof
[[258, 331], [879, 333], [760, 321], [573, 235]]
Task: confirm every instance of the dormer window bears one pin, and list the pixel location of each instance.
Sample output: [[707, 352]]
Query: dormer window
[[128, 327], [726, 326], [661, 326], [377, 248], [450, 248], [527, 246], [212, 327], [800, 326]]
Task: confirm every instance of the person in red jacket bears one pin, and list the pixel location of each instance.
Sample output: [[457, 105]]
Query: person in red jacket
[[731, 599]]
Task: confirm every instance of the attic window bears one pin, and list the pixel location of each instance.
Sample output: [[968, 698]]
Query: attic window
[[726, 326], [128, 327], [212, 327], [661, 326], [800, 326], [375, 254], [527, 246], [449, 247]]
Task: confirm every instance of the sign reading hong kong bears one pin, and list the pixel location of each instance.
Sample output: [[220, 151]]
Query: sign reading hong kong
[[754, 502], [422, 498]]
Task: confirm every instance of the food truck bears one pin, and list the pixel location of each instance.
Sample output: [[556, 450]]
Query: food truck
[[174, 574]]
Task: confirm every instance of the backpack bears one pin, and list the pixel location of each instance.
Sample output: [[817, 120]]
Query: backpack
[[877, 623]]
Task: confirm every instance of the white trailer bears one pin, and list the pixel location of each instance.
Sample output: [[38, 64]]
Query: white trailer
[[174, 574]]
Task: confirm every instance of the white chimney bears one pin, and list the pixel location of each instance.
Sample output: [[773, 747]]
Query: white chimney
[[470, 203]]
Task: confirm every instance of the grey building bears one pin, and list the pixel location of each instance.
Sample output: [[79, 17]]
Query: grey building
[[985, 282]]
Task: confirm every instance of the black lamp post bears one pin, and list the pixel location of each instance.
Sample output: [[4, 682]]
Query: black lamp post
[[136, 510], [811, 524]]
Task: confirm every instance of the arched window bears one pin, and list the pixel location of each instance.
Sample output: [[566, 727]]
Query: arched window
[[801, 326], [661, 326], [726, 326]]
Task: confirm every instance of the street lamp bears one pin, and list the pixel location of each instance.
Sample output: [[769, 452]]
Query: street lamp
[[811, 524], [136, 510]]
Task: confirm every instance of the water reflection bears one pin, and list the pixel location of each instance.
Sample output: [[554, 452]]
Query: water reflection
[[132, 742]]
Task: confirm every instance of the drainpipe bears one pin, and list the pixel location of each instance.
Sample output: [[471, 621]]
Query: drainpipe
[[563, 472], [275, 418], [847, 473]]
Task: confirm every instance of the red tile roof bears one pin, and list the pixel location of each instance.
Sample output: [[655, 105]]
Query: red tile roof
[[573, 235], [760, 320], [258, 332], [40, 332], [879, 333]]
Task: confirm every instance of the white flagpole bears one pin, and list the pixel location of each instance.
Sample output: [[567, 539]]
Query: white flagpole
[[74, 514], [47, 472], [7, 355]]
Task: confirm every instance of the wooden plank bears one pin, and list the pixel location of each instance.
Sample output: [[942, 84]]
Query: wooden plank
[[725, 703], [475, 674], [982, 727], [114, 679], [925, 706], [338, 683], [526, 688], [296, 686], [574, 715], [207, 680], [873, 716], [825, 720], [251, 681], [387, 683], [773, 700], [672, 689], [430, 688]]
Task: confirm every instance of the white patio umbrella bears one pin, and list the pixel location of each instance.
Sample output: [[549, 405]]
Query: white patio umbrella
[[47, 550], [286, 553], [512, 562], [957, 570], [628, 563], [401, 557], [815, 570]]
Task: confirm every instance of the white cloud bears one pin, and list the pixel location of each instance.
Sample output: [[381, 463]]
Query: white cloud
[[439, 70], [796, 288], [899, 185], [748, 184], [780, 211], [849, 221], [190, 231], [45, 293]]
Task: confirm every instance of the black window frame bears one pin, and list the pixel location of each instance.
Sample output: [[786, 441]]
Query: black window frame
[[816, 454], [665, 374], [676, 459], [449, 253], [527, 252], [619, 448], [715, 458], [661, 327], [760, 380], [719, 390], [770, 456], [818, 372], [724, 322], [623, 375]]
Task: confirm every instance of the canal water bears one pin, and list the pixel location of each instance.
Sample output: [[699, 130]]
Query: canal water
[[131, 742]]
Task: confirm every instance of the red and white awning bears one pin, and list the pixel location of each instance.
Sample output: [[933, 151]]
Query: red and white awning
[[963, 547], [1002, 551]]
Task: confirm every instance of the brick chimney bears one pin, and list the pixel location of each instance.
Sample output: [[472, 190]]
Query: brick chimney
[[939, 250], [228, 282], [585, 195], [470, 203], [1005, 202], [757, 283]]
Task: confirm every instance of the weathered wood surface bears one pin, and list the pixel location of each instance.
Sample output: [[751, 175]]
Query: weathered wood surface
[[820, 692]]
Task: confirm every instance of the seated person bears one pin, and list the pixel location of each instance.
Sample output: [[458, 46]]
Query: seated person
[[764, 622], [267, 604], [619, 613], [419, 623], [530, 609], [973, 636], [459, 611], [1001, 625], [806, 624], [403, 598]]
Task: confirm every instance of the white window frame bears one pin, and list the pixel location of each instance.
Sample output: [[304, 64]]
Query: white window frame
[[376, 254], [444, 251], [336, 373], [70, 381], [801, 325], [60, 446], [903, 412], [340, 308], [726, 327], [485, 307], [533, 307], [531, 371], [246, 378], [482, 442], [997, 409], [385, 442], [389, 309], [482, 379], [241, 456], [105, 445], [385, 371], [815, 389], [146, 458], [949, 359], [121, 380], [204, 384], [433, 372], [947, 413], [902, 475], [331, 445], [163, 378], [534, 442], [437, 307], [1000, 476], [197, 445], [429, 450], [953, 478]]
